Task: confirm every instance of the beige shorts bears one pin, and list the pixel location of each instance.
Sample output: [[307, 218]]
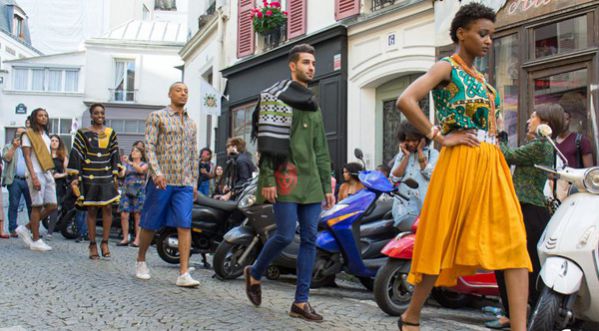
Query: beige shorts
[[47, 194]]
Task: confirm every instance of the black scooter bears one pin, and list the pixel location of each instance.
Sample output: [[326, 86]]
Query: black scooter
[[211, 219]]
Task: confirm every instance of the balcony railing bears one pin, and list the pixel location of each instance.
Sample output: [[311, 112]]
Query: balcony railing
[[205, 18], [120, 95], [380, 4]]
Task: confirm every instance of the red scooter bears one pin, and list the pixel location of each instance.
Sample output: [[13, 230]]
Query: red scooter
[[392, 291]]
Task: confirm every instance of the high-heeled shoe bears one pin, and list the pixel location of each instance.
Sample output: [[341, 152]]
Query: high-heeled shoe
[[93, 251], [401, 323], [104, 248]]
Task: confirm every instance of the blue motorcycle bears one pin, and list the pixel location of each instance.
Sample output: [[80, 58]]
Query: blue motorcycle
[[345, 243]]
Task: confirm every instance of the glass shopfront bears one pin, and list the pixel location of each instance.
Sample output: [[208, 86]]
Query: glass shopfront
[[547, 54]]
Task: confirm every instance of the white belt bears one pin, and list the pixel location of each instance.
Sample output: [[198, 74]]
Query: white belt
[[484, 136]]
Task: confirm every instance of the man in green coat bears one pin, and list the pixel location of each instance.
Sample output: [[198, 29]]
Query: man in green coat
[[294, 174]]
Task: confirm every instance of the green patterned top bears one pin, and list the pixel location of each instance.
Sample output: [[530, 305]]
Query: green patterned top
[[528, 180], [464, 102]]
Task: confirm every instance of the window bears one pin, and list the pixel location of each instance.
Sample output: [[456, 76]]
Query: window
[[45, 79], [20, 79], [241, 124], [62, 128], [124, 87], [127, 126], [18, 29], [561, 37], [506, 75]]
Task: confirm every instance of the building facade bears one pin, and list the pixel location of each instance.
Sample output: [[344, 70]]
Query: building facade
[[389, 45]]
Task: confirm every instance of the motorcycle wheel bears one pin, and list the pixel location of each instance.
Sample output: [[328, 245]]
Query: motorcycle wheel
[[167, 253], [367, 282], [392, 292], [546, 316], [68, 226], [450, 299], [225, 260], [323, 262]]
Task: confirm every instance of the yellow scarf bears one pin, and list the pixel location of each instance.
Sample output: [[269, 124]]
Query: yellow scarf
[[40, 149]]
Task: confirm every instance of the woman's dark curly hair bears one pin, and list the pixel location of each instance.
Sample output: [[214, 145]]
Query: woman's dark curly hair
[[468, 14], [407, 131], [353, 168]]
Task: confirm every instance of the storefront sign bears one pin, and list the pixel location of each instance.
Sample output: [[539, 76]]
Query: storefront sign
[[337, 62], [21, 109], [518, 11]]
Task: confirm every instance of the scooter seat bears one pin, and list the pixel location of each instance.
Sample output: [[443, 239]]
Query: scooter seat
[[218, 204], [381, 208], [376, 228]]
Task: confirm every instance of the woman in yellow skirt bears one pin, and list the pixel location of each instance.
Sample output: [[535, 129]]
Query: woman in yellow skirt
[[471, 218]]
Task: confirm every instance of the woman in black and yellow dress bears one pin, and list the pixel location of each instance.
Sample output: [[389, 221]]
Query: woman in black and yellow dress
[[94, 165]]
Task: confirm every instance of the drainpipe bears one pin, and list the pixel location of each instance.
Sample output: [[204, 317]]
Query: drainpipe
[[219, 63]]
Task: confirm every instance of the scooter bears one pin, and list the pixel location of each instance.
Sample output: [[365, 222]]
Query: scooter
[[242, 244], [569, 252], [392, 292], [210, 220], [339, 244]]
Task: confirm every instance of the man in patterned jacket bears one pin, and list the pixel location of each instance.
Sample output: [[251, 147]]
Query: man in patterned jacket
[[172, 155]]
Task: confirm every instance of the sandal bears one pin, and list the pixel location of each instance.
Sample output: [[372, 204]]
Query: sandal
[[120, 243], [104, 248], [93, 251], [401, 323], [497, 325]]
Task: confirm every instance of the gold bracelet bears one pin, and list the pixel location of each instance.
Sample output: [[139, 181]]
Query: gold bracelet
[[423, 159]]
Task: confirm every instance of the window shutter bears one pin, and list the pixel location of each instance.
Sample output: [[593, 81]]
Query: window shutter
[[296, 18], [245, 30], [346, 8]]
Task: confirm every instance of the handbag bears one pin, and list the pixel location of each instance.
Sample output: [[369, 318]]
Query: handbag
[[552, 202]]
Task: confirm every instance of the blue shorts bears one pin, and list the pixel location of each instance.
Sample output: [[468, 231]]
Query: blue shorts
[[170, 207]]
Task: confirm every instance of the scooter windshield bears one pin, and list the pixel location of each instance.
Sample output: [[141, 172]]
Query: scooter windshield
[[375, 181]]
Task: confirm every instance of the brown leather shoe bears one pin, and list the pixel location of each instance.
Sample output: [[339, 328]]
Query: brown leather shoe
[[254, 292], [307, 313]]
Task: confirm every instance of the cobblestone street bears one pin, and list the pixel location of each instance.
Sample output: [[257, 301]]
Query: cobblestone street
[[64, 290]]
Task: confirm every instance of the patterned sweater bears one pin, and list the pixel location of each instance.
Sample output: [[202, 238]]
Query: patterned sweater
[[528, 180]]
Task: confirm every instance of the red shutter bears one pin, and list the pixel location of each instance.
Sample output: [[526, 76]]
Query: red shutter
[[296, 19], [245, 30], [346, 8]]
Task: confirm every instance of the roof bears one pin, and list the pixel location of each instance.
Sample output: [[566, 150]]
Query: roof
[[7, 8], [148, 31]]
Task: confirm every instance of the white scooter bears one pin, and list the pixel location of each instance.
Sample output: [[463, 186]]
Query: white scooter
[[569, 253]]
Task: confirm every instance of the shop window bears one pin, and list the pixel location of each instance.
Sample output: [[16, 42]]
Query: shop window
[[241, 124], [561, 37], [507, 65]]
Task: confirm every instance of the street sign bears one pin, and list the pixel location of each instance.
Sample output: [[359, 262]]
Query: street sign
[[21, 109]]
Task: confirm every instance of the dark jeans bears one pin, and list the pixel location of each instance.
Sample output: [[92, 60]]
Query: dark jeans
[[81, 221], [204, 187], [535, 221], [16, 190], [287, 214], [61, 192]]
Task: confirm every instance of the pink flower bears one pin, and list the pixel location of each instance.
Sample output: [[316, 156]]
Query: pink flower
[[285, 13], [265, 3], [275, 4], [268, 13], [259, 14]]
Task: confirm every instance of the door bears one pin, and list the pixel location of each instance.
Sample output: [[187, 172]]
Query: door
[[569, 86]]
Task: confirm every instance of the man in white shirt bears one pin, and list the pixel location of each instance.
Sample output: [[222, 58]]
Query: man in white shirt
[[42, 188]]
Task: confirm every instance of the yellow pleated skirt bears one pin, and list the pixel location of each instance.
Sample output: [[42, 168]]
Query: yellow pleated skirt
[[471, 218]]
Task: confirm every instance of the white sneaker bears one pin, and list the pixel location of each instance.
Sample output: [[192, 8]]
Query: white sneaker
[[40, 246], [185, 280], [142, 271], [24, 234]]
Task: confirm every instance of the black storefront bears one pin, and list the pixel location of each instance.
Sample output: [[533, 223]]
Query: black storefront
[[247, 78]]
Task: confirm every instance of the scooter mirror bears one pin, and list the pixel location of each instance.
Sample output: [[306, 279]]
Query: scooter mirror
[[358, 154], [411, 183], [544, 130]]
